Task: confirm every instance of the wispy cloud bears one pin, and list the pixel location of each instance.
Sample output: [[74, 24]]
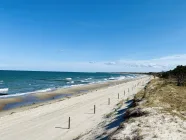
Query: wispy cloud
[[162, 63], [91, 62], [110, 63], [158, 64]]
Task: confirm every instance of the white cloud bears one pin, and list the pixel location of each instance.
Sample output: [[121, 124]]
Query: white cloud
[[110, 63], [91, 62], [158, 64]]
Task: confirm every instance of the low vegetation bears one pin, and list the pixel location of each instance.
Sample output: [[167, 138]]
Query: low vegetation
[[110, 114], [160, 102], [178, 74], [166, 95]]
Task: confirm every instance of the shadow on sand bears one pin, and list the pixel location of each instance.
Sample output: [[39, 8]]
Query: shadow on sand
[[61, 128], [117, 121]]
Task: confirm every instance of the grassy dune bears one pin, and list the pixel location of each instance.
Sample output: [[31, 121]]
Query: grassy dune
[[165, 94], [158, 112]]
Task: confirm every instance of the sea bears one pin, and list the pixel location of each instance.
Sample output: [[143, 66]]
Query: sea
[[13, 83]]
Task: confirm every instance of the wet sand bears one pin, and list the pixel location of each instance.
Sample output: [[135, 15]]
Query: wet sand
[[6, 101]]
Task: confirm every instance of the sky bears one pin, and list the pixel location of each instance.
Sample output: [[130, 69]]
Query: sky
[[92, 35]]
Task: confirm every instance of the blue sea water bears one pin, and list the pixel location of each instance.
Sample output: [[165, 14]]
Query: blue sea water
[[25, 82]]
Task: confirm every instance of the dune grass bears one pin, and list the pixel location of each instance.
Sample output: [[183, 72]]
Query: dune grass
[[165, 94]]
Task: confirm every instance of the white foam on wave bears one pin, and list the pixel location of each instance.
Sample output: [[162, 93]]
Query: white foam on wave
[[69, 86], [84, 81], [45, 90], [71, 82], [77, 85], [88, 79], [100, 81], [111, 78], [121, 78], [26, 93], [68, 79], [3, 90]]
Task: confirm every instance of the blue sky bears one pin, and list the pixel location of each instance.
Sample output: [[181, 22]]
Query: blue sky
[[92, 35]]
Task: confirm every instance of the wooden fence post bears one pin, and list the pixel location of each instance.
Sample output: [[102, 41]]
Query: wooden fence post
[[94, 109], [69, 123]]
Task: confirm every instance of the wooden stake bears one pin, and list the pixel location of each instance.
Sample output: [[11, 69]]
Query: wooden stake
[[94, 109], [69, 123], [118, 95], [108, 101]]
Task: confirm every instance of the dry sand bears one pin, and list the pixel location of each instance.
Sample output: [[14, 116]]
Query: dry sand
[[156, 125], [50, 122]]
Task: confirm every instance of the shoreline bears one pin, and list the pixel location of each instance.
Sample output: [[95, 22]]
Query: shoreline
[[41, 98], [7, 90], [50, 121]]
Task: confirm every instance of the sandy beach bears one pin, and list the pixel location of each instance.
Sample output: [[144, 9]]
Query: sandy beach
[[50, 121], [40, 98]]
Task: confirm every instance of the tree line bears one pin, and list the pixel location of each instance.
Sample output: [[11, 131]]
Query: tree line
[[179, 74]]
